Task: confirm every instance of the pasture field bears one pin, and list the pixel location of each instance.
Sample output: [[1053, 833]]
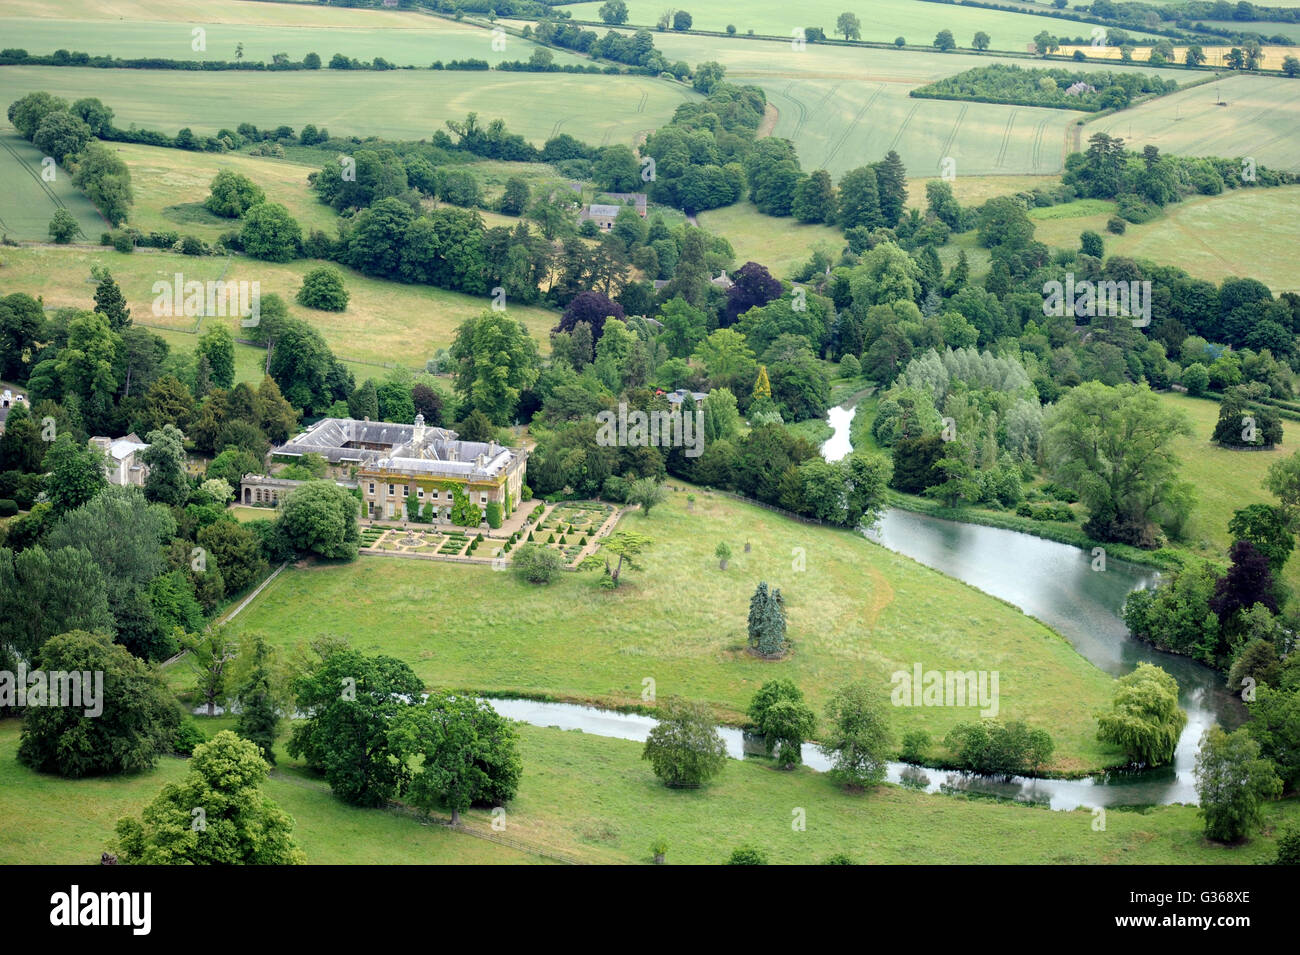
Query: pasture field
[[754, 237], [596, 800], [882, 20], [1264, 27], [28, 202], [1212, 237], [171, 184], [858, 612], [402, 104], [384, 321], [1261, 120], [1225, 481], [416, 43]]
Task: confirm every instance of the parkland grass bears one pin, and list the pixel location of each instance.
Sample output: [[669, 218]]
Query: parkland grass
[[858, 612], [596, 800]]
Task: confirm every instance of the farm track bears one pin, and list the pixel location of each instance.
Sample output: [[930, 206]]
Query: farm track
[[839, 144], [645, 96]]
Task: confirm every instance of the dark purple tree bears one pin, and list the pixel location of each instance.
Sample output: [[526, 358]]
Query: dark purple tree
[[1248, 581], [592, 308], [754, 287], [428, 403]]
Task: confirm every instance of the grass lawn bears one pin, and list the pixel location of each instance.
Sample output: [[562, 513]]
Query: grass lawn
[[402, 104], [858, 612], [596, 800], [385, 322]]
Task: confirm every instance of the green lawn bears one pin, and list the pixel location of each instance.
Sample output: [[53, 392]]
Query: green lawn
[[857, 611], [596, 800], [402, 104]]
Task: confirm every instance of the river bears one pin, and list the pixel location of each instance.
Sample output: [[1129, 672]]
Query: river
[[1053, 582]]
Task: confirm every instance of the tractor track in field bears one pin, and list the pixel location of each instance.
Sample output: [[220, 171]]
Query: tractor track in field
[[799, 106], [645, 98], [839, 143], [902, 127], [36, 177], [1006, 139], [952, 136], [1039, 135]]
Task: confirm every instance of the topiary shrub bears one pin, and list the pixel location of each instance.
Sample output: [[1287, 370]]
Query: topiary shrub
[[8, 508]]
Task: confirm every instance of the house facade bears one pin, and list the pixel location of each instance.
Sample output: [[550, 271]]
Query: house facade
[[124, 466], [390, 461]]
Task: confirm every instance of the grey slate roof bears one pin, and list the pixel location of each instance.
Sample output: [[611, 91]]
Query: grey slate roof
[[411, 448]]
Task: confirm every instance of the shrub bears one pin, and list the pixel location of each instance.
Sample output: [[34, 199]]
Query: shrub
[[63, 227], [747, 855], [187, 737], [123, 242], [494, 514], [915, 746], [537, 564], [999, 749], [1116, 225], [8, 508]]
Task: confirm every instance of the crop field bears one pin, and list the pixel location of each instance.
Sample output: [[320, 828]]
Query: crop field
[[882, 20], [402, 104], [1212, 237], [857, 612], [1261, 119], [416, 43], [28, 201], [384, 321], [1214, 55], [843, 107]]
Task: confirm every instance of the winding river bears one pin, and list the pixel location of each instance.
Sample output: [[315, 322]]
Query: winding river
[[1054, 583]]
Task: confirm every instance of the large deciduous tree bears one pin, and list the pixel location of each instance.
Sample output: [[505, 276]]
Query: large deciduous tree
[[1144, 717], [495, 361]]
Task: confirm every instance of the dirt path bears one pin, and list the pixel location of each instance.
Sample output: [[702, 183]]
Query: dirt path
[[770, 116]]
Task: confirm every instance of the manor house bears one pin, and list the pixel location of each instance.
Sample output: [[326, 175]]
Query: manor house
[[389, 461]]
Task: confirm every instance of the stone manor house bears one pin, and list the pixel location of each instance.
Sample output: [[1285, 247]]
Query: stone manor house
[[388, 461]]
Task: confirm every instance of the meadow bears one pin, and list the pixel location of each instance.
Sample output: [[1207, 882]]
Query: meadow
[[882, 20], [384, 322], [1259, 120], [402, 104], [754, 237], [29, 201], [595, 800], [1212, 237], [858, 612]]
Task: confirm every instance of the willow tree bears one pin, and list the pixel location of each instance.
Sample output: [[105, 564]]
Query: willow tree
[[1145, 719]]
